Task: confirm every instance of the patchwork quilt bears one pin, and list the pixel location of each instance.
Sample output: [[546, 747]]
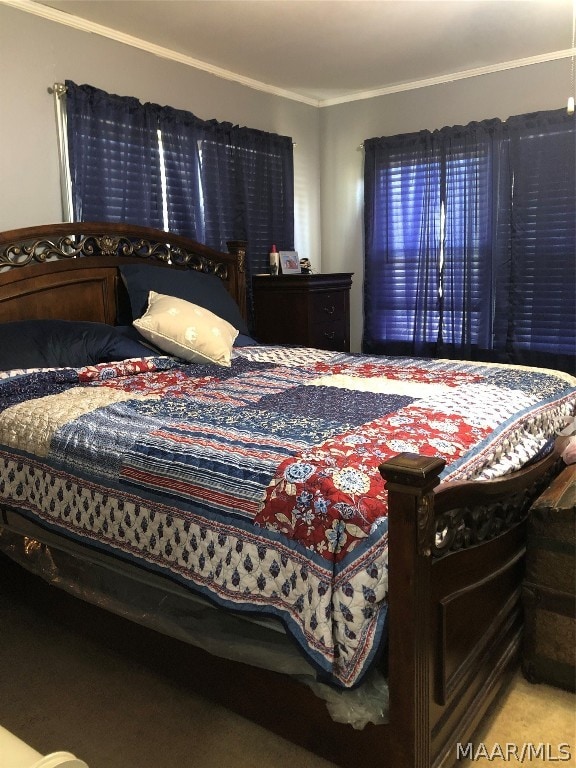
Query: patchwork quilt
[[257, 486]]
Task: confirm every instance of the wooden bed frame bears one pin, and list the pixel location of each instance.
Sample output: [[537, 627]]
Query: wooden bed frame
[[456, 550]]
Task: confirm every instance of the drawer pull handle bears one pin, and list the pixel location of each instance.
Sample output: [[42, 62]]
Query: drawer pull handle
[[330, 334], [329, 310]]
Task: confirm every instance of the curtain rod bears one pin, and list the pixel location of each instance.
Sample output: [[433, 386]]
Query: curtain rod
[[58, 89]]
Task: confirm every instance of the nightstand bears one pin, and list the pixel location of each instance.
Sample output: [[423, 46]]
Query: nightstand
[[303, 310]]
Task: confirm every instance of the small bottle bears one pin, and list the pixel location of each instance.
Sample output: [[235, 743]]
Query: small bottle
[[274, 261]]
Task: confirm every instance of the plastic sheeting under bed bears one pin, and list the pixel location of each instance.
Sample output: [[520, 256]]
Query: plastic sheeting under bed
[[156, 603]]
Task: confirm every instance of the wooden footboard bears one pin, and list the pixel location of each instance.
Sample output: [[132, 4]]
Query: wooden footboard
[[456, 560]]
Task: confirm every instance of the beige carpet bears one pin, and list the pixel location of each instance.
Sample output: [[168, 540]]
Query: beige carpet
[[65, 684], [538, 722]]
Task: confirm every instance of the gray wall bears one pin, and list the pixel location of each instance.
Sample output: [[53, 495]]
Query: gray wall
[[328, 157]]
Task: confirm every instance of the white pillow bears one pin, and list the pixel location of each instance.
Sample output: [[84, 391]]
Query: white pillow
[[186, 330]]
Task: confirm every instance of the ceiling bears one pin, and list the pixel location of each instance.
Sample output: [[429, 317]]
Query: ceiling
[[330, 51]]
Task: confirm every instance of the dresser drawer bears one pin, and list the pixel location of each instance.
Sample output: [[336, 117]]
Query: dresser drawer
[[329, 307], [303, 310], [332, 336]]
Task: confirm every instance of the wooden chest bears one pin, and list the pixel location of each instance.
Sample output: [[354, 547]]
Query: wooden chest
[[549, 588]]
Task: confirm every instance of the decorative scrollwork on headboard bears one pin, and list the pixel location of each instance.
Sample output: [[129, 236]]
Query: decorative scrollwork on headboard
[[71, 247], [20, 255]]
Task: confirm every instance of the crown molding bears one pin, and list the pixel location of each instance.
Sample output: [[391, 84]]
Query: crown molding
[[452, 77], [76, 22]]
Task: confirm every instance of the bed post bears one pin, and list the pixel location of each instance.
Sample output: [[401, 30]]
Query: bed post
[[238, 248], [410, 480]]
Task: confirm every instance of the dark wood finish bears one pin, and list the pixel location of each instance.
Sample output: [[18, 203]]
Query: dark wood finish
[[303, 310], [549, 588], [454, 585], [71, 269], [457, 636], [88, 292]]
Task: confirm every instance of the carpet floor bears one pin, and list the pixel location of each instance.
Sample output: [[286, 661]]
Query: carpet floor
[[72, 679]]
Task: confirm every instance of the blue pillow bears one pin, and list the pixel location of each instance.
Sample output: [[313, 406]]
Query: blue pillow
[[245, 341], [64, 344], [207, 291]]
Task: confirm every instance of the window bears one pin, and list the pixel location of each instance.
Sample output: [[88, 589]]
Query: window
[[470, 242], [166, 168], [401, 283], [537, 294]]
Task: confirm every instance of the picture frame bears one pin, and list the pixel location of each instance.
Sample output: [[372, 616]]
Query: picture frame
[[289, 262]]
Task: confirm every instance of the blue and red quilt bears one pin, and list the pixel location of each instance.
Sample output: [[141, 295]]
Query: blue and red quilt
[[257, 485]]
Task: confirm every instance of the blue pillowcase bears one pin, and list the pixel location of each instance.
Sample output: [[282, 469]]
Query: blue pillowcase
[[206, 291], [245, 341], [65, 344]]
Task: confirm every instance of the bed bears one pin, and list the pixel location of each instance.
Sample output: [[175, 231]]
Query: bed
[[349, 532]]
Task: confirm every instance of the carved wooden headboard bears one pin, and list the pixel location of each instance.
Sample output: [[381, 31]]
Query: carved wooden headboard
[[70, 270]]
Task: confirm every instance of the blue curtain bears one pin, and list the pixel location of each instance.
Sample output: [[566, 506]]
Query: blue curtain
[[179, 137], [402, 236], [535, 296], [470, 243], [248, 188], [467, 271], [113, 156], [213, 181]]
